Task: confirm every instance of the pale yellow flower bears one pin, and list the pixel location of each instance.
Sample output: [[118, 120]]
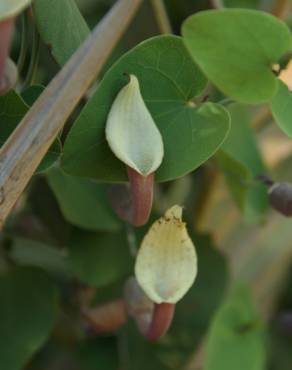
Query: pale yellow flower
[[131, 132], [10, 8], [166, 264]]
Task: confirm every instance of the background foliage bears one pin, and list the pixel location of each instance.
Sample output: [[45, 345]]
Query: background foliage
[[64, 252]]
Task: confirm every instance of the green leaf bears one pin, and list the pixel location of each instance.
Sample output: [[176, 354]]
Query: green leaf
[[83, 202], [281, 106], [241, 147], [168, 80], [100, 258], [28, 312], [98, 351], [12, 110], [61, 26], [33, 253], [236, 337], [236, 49], [31, 94]]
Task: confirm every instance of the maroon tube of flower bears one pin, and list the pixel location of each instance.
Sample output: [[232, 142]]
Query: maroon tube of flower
[[133, 202], [161, 321], [153, 320], [141, 188]]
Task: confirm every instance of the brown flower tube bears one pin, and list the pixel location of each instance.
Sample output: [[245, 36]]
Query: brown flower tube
[[152, 319]]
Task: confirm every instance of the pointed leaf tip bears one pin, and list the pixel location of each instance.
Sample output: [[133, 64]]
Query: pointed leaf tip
[[131, 132], [166, 264]]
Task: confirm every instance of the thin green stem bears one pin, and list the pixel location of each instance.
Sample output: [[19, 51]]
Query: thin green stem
[[33, 65], [23, 43], [132, 242], [225, 101]]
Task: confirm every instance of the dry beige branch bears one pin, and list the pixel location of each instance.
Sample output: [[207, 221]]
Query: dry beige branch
[[281, 8], [25, 148], [161, 16]]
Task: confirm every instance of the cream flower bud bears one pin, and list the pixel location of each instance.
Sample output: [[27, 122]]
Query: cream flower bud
[[166, 264], [131, 132], [10, 8]]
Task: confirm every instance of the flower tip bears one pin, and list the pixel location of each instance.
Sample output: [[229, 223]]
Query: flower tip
[[131, 131], [166, 264], [174, 212]]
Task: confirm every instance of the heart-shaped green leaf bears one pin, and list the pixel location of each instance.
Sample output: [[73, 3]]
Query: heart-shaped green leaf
[[236, 338], [61, 26], [83, 202], [236, 49], [241, 162], [100, 258], [28, 311], [10, 8], [168, 81], [281, 106], [12, 110]]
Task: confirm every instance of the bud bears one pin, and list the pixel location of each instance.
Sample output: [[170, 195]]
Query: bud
[[280, 197], [10, 8], [166, 264], [131, 132]]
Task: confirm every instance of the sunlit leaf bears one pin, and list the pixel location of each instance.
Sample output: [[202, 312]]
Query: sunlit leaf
[[236, 336], [281, 106], [236, 49]]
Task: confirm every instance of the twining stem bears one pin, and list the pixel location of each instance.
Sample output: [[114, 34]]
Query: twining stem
[[6, 31], [27, 145], [23, 42], [161, 320], [266, 180], [161, 16], [33, 60], [225, 101], [141, 189]]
